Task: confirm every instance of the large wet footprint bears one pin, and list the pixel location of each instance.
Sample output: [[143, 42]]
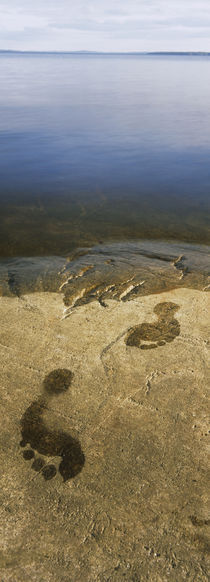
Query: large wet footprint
[[46, 442], [165, 329]]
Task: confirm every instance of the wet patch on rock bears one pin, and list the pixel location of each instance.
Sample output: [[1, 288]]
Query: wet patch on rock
[[46, 442], [166, 329]]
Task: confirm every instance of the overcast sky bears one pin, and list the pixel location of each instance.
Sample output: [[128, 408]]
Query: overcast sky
[[105, 25]]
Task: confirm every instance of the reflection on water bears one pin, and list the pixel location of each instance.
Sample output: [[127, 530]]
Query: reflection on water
[[102, 147]]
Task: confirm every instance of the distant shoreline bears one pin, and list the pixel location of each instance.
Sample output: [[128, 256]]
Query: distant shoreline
[[131, 53]]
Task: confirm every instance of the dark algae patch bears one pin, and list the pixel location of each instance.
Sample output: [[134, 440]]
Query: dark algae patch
[[157, 333], [46, 442]]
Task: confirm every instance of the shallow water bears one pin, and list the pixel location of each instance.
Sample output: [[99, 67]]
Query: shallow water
[[101, 148], [119, 271]]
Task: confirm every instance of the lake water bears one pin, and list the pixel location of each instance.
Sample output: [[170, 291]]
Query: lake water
[[101, 149], [104, 148]]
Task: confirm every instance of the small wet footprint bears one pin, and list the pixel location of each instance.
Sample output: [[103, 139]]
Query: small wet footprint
[[46, 442], [165, 329]]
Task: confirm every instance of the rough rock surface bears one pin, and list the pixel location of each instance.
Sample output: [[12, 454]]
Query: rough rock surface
[[136, 508]]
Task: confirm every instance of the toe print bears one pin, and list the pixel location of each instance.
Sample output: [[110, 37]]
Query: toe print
[[156, 334], [38, 464], [46, 442]]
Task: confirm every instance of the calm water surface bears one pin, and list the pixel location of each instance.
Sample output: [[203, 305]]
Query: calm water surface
[[102, 148]]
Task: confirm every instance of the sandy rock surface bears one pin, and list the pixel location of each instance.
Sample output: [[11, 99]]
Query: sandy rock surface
[[136, 508]]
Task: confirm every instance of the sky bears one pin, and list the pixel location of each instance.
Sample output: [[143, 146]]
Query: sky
[[105, 25]]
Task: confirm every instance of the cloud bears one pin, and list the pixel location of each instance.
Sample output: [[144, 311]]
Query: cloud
[[105, 24]]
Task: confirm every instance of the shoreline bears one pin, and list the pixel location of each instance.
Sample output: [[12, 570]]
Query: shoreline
[[92, 241], [113, 270]]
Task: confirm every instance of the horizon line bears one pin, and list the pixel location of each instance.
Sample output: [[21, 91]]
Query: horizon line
[[193, 52]]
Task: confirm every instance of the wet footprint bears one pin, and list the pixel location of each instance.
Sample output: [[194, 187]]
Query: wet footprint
[[46, 442], [156, 334]]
